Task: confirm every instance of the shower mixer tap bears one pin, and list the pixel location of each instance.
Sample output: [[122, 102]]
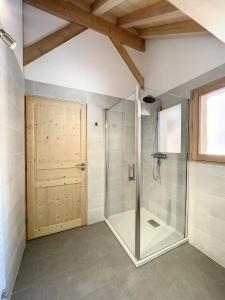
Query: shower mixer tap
[[159, 155]]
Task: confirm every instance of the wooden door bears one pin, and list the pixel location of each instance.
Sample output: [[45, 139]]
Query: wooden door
[[56, 179]]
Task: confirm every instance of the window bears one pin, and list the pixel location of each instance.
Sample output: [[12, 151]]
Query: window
[[170, 129], [208, 122]]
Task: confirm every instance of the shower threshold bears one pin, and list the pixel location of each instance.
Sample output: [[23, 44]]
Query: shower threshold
[[154, 241]]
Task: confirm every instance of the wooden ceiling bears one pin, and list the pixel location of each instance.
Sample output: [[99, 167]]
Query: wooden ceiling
[[125, 22], [136, 15]]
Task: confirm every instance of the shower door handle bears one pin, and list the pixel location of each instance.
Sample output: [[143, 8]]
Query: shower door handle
[[131, 172]]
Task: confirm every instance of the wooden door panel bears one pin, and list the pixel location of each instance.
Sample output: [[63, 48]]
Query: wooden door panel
[[45, 174], [57, 204], [56, 144], [57, 133]]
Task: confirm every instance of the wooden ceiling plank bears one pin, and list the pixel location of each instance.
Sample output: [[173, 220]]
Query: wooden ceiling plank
[[82, 4], [178, 28], [129, 62], [99, 7], [73, 13], [50, 42], [154, 12]]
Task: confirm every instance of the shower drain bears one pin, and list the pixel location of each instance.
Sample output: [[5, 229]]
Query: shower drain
[[153, 223]]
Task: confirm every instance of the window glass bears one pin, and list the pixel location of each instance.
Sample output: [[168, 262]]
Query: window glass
[[170, 129], [212, 123]]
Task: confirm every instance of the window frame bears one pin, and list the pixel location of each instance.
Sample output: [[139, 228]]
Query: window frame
[[195, 121]]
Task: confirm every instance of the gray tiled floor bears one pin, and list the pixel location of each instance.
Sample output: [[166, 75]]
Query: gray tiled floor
[[88, 263]]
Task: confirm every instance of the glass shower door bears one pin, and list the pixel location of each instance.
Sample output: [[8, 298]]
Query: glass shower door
[[146, 171], [164, 136], [120, 157]]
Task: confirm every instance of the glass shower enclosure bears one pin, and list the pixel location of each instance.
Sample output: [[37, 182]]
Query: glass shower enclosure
[[146, 173]]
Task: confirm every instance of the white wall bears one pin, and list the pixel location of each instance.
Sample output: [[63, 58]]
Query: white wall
[[170, 62], [12, 170], [87, 62], [38, 24], [208, 13], [11, 19]]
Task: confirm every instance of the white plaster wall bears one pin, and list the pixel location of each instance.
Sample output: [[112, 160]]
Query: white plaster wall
[[88, 62], [38, 24], [12, 169], [11, 18], [170, 62], [208, 13]]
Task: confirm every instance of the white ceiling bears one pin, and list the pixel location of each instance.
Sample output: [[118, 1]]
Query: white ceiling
[[208, 13]]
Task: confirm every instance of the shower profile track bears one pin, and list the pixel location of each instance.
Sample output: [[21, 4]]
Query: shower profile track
[[138, 174]]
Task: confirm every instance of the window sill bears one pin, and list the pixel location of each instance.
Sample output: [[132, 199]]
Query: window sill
[[214, 159]]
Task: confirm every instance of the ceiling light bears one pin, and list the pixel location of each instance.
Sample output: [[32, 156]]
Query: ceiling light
[[7, 39]]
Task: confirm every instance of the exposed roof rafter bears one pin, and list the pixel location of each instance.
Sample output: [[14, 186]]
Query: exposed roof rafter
[[129, 62], [177, 28], [83, 18], [50, 42], [73, 13]]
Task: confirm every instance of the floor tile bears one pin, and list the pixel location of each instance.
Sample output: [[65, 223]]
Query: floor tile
[[109, 291], [88, 263]]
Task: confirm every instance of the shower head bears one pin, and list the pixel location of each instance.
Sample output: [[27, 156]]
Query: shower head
[[149, 99]]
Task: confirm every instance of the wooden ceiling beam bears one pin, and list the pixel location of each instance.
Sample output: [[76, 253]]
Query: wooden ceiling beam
[[50, 42], [129, 62], [99, 7], [178, 28], [158, 11], [72, 13]]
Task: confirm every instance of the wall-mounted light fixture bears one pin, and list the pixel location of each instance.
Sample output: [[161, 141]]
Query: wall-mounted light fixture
[[7, 39]]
